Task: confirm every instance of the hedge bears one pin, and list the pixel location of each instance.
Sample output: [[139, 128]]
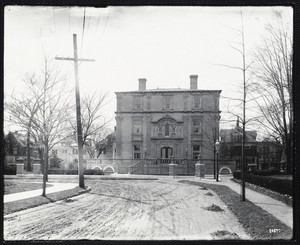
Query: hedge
[[75, 171], [10, 170], [265, 172], [283, 186]]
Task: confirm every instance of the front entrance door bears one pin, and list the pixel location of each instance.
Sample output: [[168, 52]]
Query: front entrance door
[[166, 154]]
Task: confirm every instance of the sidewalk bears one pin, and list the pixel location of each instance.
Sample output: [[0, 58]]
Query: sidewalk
[[28, 194], [278, 209]]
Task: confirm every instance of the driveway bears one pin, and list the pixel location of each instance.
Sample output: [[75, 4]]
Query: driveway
[[128, 209]]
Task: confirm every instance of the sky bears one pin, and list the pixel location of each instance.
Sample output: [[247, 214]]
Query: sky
[[165, 45]]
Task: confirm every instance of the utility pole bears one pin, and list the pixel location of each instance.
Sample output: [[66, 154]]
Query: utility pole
[[243, 197], [78, 116], [215, 137]]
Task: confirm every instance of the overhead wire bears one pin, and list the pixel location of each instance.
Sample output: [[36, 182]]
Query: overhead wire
[[69, 19], [106, 20], [54, 25], [98, 21], [83, 27]]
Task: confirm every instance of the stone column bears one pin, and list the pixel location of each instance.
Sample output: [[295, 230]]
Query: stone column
[[36, 168], [199, 169]]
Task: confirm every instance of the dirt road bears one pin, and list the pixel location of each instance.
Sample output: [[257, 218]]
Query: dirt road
[[128, 209]]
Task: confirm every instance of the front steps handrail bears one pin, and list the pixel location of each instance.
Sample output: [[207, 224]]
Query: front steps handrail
[[135, 167]]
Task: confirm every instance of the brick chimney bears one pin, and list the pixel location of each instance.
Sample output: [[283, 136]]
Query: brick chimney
[[142, 84], [193, 81]]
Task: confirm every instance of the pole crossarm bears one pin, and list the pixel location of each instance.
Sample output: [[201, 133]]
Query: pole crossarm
[[73, 59]]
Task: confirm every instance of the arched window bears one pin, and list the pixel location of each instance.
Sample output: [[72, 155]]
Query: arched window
[[167, 129]]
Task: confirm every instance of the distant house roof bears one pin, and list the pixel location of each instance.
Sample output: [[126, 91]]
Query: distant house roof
[[250, 134], [20, 138]]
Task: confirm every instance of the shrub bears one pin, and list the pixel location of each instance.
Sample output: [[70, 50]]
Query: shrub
[[265, 172], [61, 171], [283, 186], [10, 170], [93, 172], [75, 171], [237, 174]]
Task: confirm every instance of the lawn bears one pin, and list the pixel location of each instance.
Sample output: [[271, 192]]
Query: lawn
[[258, 223], [15, 186]]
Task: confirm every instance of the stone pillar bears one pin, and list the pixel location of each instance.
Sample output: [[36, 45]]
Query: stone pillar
[[172, 170], [20, 168], [36, 168], [199, 169], [145, 170]]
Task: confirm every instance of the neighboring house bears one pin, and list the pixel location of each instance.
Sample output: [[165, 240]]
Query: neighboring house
[[164, 123], [65, 155], [269, 154], [105, 146], [231, 146], [16, 149]]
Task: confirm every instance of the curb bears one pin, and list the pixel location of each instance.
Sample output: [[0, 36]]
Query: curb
[[87, 189]]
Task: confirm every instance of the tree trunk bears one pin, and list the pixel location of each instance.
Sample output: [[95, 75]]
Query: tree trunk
[[28, 165], [45, 173], [288, 155]]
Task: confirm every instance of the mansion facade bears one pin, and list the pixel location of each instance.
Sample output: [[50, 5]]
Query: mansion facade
[[162, 124]]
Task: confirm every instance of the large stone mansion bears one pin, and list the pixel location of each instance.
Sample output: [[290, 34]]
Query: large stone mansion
[[161, 124]]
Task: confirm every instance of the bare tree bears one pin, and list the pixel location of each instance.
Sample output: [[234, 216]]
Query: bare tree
[[50, 120], [20, 112], [273, 73], [97, 143], [94, 121], [42, 110], [241, 49]]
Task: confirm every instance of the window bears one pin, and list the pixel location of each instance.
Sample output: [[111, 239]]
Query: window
[[54, 152], [167, 102], [75, 151], [197, 102], [167, 129], [196, 126], [137, 127], [137, 103], [15, 151], [196, 151], [136, 151]]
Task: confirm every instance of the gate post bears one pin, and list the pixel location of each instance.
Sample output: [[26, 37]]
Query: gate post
[[172, 169], [199, 169]]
